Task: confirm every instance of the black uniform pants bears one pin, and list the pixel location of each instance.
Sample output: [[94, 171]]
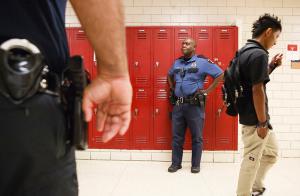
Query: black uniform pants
[[183, 116], [36, 158]]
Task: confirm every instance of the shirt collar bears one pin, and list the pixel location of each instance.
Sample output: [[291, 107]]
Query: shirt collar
[[193, 59], [252, 41]]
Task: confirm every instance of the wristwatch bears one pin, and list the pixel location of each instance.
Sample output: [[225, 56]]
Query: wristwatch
[[263, 124]]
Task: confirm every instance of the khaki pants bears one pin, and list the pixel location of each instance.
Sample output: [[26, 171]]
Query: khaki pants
[[259, 156]]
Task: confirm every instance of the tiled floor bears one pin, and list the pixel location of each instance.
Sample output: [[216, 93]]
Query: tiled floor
[[133, 178]]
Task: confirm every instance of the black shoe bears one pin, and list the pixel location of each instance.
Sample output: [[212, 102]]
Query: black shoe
[[195, 169], [258, 192], [174, 168]]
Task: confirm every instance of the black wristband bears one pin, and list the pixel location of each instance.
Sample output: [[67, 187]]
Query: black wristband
[[262, 124]]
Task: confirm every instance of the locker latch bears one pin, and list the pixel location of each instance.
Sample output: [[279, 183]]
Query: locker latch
[[156, 111], [136, 64], [219, 112], [157, 64], [136, 111]]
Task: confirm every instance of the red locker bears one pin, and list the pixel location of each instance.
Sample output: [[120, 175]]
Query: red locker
[[204, 39], [162, 61], [225, 45], [141, 67], [141, 121], [79, 45]]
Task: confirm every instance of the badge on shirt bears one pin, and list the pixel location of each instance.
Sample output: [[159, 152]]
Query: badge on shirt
[[193, 65]]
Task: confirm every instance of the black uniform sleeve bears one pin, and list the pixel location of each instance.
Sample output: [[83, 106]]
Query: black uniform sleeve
[[258, 70]]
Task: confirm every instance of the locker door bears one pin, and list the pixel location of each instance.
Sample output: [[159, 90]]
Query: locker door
[[225, 46], [162, 61], [141, 121], [141, 57], [204, 39], [79, 45], [180, 34]]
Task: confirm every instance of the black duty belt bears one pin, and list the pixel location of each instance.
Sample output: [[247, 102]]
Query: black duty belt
[[195, 99]]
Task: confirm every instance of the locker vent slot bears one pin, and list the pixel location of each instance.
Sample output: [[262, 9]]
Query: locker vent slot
[[162, 140], [141, 95], [141, 140], [99, 139], [224, 35], [142, 35], [162, 35], [223, 140], [161, 80], [141, 80], [80, 36], [120, 140], [202, 36], [162, 95], [183, 36]]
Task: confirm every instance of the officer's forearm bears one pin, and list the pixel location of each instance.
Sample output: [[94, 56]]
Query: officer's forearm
[[103, 22], [259, 102], [171, 82], [214, 84]]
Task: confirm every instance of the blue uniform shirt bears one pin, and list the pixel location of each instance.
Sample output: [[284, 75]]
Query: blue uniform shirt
[[190, 75]]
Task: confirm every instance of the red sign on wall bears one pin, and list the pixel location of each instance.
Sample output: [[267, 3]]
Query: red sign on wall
[[292, 47]]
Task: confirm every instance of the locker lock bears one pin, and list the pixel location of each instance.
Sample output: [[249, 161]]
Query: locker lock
[[156, 64], [156, 111], [136, 64]]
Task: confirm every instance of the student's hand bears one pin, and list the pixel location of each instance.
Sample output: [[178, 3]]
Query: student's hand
[[277, 60], [262, 132]]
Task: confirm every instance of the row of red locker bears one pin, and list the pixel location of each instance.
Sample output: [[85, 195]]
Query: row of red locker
[[151, 52]]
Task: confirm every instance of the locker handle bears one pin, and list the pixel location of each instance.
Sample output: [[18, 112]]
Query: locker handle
[[136, 111], [136, 64], [156, 111], [219, 112], [216, 59], [156, 64]]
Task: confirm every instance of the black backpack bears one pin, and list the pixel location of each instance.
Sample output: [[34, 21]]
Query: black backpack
[[232, 88]]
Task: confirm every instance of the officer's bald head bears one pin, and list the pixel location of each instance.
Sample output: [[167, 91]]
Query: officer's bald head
[[188, 47]]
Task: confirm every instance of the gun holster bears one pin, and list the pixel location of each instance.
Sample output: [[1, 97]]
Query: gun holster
[[75, 80], [202, 99]]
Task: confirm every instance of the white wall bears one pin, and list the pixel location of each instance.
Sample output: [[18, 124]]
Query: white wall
[[284, 88]]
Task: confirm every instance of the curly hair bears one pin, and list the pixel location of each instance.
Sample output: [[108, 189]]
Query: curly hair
[[263, 23]]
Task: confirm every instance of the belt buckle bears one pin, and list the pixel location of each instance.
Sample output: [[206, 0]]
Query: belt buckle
[[181, 100]]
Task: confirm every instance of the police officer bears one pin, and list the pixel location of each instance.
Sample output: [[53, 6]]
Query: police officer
[[260, 144], [186, 78], [35, 153]]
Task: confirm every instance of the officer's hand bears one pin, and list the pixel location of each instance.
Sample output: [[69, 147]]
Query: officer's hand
[[277, 60], [113, 99], [262, 132]]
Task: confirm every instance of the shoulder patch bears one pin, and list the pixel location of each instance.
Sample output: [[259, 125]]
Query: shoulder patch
[[202, 56]]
